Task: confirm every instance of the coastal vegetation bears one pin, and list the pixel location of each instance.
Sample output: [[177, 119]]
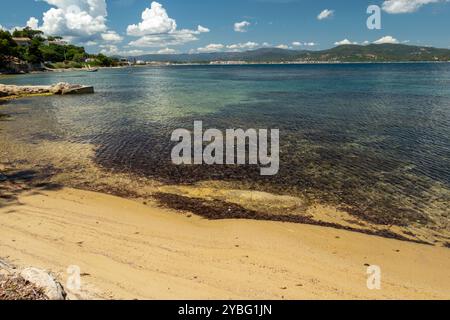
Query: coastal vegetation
[[30, 49]]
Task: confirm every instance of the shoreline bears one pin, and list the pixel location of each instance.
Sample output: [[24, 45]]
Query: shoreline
[[128, 250], [165, 65]]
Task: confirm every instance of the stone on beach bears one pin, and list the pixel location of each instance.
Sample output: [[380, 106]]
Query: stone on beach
[[59, 88], [42, 279]]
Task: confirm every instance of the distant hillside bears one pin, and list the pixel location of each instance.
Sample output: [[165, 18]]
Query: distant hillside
[[344, 53], [264, 54], [381, 52]]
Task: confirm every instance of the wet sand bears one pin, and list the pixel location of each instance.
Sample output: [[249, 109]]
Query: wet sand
[[129, 250]]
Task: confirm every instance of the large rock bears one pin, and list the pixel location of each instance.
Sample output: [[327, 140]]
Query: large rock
[[59, 88], [42, 279]]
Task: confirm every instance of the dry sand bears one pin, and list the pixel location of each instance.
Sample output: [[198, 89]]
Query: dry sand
[[129, 250]]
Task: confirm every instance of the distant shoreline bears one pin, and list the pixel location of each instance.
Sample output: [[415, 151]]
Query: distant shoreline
[[166, 64]]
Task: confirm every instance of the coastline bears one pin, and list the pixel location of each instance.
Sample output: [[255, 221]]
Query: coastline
[[128, 250], [214, 238]]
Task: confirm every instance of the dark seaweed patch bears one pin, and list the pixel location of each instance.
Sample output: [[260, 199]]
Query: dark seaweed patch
[[217, 210]]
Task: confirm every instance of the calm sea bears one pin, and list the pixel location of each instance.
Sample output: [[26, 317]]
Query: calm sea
[[373, 138]]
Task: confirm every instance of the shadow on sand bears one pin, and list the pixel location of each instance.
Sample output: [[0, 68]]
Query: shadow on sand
[[15, 182]]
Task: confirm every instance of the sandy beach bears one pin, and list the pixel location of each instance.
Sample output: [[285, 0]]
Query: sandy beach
[[129, 250]]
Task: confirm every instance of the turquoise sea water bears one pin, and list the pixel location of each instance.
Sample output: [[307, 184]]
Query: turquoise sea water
[[371, 138]]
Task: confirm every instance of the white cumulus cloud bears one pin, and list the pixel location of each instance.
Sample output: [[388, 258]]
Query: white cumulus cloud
[[202, 29], [113, 50], [111, 36], [344, 42], [405, 6], [157, 29], [243, 46], [213, 47], [307, 44], [235, 47], [325, 14], [167, 51], [76, 20], [33, 23], [241, 26], [155, 20], [386, 39]]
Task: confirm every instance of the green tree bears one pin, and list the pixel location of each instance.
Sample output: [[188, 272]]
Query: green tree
[[105, 61], [7, 44], [34, 54], [53, 53], [28, 33]]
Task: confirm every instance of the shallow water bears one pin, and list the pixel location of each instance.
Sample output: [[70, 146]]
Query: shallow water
[[373, 139]]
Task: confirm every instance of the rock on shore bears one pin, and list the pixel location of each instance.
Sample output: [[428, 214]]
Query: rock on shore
[[59, 88]]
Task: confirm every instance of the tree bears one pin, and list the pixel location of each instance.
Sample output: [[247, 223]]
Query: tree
[[54, 38], [104, 60], [34, 54], [7, 44], [53, 53], [28, 33]]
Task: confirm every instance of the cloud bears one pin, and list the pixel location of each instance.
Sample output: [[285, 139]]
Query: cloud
[[202, 29], [344, 42], [306, 44], [386, 39], [235, 47], [213, 47], [405, 6], [33, 23], [157, 29], [167, 51], [241, 26], [155, 20], [325, 14], [111, 36], [282, 46], [75, 18], [243, 46], [113, 50], [175, 38], [82, 21]]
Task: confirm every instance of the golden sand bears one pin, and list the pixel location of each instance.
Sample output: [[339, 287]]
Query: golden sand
[[128, 250]]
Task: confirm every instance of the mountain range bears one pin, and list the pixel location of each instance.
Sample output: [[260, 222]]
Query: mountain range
[[343, 53]]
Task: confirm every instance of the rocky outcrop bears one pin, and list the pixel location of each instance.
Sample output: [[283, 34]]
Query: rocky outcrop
[[44, 281], [59, 88], [13, 65], [28, 284]]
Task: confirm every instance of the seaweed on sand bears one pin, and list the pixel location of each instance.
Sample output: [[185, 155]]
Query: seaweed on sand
[[218, 209]]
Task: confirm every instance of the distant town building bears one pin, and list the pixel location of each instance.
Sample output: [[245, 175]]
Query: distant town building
[[124, 62], [23, 42], [227, 62]]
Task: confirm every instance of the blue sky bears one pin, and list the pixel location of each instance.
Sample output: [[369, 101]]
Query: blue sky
[[118, 26]]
